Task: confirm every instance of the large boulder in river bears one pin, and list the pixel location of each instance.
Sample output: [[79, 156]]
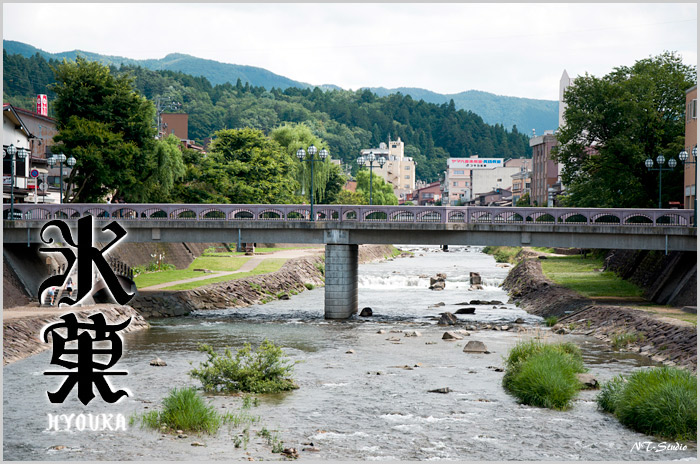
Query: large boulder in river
[[157, 362], [475, 346], [447, 319], [474, 278], [451, 336], [465, 311], [439, 285], [589, 382], [366, 312], [478, 302]]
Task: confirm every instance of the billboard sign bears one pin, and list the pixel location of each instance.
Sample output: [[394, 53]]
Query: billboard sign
[[42, 105], [474, 163]]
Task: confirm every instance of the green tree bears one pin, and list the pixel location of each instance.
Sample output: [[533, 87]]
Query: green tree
[[614, 123], [382, 193], [523, 200], [107, 127], [245, 166], [346, 197]]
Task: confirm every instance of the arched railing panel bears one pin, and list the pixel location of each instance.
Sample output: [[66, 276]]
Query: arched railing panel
[[671, 220], [154, 213], [124, 213], [298, 215], [37, 213], [541, 218], [213, 214], [605, 218], [239, 214], [429, 216], [271, 214], [481, 217], [66, 213], [402, 216], [350, 215], [96, 212], [573, 218], [374, 215], [456, 216], [183, 213], [638, 219], [328, 215], [508, 217]]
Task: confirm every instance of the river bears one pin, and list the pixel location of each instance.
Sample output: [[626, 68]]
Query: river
[[371, 403]]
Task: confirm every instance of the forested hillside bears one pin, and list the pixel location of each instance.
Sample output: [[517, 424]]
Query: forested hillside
[[348, 121]]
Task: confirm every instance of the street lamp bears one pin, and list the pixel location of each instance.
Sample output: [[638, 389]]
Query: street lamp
[[322, 155], [683, 156], [60, 159], [660, 160], [370, 158], [14, 153]]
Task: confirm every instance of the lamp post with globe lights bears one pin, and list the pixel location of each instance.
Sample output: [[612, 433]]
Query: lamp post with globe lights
[[370, 158], [322, 155], [60, 159], [14, 153], [683, 156], [660, 160]]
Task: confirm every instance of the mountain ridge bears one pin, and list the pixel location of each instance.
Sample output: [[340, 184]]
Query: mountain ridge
[[524, 113]]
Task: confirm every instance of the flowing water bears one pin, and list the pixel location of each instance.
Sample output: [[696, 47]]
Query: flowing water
[[370, 404]]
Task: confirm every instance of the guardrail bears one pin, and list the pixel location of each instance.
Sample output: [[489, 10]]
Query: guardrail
[[355, 213]]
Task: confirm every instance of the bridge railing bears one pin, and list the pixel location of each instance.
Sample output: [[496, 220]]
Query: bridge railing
[[355, 213]]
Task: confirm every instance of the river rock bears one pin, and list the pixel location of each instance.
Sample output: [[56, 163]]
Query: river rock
[[423, 276], [475, 287], [588, 380], [478, 302], [311, 449], [292, 452], [350, 352], [475, 346], [412, 333], [447, 319], [465, 311], [284, 296], [437, 305], [495, 302], [474, 278], [381, 331], [440, 390], [519, 321], [196, 443], [451, 336], [157, 362], [439, 285], [366, 312]]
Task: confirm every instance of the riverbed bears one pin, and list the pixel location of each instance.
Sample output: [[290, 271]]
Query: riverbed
[[363, 395]]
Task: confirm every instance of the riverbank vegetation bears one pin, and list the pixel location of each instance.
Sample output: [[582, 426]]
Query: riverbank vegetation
[[265, 267], [542, 374], [221, 263], [584, 276], [503, 254], [265, 370], [659, 401]]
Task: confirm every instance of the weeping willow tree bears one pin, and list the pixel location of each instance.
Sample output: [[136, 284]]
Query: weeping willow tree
[[327, 177]]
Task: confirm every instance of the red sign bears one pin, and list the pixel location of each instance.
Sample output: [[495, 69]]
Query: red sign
[[42, 105]]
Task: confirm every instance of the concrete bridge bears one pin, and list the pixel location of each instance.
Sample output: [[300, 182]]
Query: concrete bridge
[[343, 227]]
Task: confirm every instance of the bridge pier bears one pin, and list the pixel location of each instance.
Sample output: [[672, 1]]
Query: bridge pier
[[341, 281]]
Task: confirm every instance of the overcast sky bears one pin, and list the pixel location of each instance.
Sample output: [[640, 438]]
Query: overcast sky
[[515, 49]]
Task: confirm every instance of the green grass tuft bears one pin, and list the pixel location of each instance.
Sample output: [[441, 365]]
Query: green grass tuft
[[544, 375], [660, 401], [183, 409], [551, 321], [503, 254]]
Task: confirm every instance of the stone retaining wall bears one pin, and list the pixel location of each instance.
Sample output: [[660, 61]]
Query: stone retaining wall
[[290, 279], [662, 341], [21, 335]]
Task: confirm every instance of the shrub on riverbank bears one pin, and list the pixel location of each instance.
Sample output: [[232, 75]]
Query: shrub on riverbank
[[503, 254], [544, 375], [660, 401], [183, 409], [265, 370]]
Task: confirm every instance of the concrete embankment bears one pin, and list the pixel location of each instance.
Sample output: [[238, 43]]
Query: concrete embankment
[[292, 278], [21, 329], [664, 341]]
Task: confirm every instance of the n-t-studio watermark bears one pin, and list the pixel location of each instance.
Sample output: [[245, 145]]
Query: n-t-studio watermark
[[654, 447], [86, 350]]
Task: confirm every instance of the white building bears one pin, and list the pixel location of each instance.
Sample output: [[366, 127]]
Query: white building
[[398, 170], [467, 177]]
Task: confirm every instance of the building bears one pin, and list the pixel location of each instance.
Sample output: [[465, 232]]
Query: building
[[564, 82], [495, 197], [41, 130], [177, 124], [427, 194], [691, 141], [398, 170], [545, 172], [15, 133]]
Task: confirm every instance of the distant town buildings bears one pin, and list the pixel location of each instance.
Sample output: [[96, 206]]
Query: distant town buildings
[[399, 170], [177, 124], [545, 172], [427, 194], [691, 141], [465, 179]]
